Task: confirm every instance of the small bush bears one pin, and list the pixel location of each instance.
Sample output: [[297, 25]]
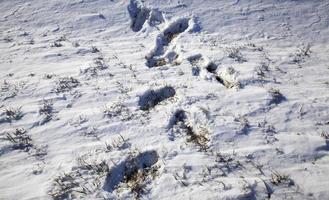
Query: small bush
[[200, 138], [66, 84], [227, 163], [9, 90], [278, 179], [138, 169], [137, 182], [46, 109], [19, 139], [235, 54], [181, 126], [301, 54], [91, 132], [94, 69], [84, 179], [57, 44], [94, 168], [262, 70], [160, 62], [244, 127], [119, 143], [22, 141], [135, 172], [13, 113], [117, 110]]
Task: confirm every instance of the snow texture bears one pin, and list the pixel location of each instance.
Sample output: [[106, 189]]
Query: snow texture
[[164, 99]]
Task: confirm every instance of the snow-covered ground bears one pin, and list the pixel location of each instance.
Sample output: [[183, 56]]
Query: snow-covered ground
[[164, 99]]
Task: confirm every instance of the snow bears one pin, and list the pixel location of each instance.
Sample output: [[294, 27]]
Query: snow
[[175, 99]]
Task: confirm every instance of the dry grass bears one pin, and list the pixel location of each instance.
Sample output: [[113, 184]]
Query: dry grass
[[138, 180], [12, 113], [46, 109], [119, 143], [66, 84], [200, 138], [20, 139], [278, 179], [84, 179]]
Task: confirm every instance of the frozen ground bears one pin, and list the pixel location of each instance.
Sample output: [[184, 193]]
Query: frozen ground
[[172, 99]]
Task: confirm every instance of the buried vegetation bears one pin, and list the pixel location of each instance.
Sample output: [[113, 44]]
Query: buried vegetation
[[151, 98], [46, 110], [134, 173], [66, 84], [226, 77], [84, 179], [157, 55], [181, 125], [19, 139], [12, 113]]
